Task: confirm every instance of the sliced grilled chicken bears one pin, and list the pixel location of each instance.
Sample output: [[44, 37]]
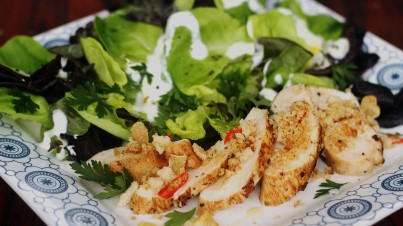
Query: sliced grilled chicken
[[142, 159], [139, 165], [297, 137], [146, 200], [245, 168], [209, 172], [350, 144]]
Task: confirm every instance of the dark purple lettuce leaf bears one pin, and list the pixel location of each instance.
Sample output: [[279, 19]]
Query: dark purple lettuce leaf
[[94, 141], [154, 12], [44, 81], [383, 95], [87, 31], [391, 105], [355, 55], [391, 117]]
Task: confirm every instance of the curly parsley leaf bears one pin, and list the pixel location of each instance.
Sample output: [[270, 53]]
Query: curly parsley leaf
[[23, 103], [142, 69], [179, 218], [114, 183], [122, 182], [344, 75], [327, 186], [171, 104], [94, 171], [86, 94]]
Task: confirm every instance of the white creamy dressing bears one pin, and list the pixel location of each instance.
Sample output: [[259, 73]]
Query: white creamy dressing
[[319, 61], [253, 5], [62, 74], [60, 127], [289, 83], [278, 79], [147, 99], [338, 49], [266, 66], [256, 7], [314, 41], [258, 56], [249, 29], [185, 18], [268, 93], [284, 11], [239, 49]]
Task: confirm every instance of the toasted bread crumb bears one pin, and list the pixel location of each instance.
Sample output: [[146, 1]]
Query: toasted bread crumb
[[158, 216], [139, 132], [298, 203]]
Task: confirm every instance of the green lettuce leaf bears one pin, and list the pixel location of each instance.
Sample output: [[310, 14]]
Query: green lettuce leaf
[[292, 58], [100, 109], [307, 79], [218, 30], [297, 78], [189, 125], [276, 24], [287, 62], [191, 76], [41, 113], [124, 39], [76, 125], [326, 26], [182, 5], [321, 24], [23, 53], [106, 68], [240, 12]]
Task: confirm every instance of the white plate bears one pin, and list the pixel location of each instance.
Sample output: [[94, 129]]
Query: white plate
[[60, 198]]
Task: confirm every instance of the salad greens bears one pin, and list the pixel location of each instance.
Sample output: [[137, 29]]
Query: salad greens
[[23, 54], [218, 37], [124, 39], [188, 69], [106, 68], [278, 24], [324, 25], [22, 105], [114, 183]]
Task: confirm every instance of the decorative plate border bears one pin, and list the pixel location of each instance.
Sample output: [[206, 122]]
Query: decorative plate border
[[44, 185], [57, 196]]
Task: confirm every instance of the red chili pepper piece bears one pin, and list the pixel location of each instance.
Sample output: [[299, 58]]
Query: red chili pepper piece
[[396, 139], [232, 133], [169, 190]]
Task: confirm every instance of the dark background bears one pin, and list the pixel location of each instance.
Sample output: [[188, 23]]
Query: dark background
[[31, 17]]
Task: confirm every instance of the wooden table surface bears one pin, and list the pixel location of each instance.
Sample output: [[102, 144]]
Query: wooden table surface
[[30, 17]]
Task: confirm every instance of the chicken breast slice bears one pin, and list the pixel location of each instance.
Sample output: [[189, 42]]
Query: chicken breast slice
[[297, 140], [350, 145], [245, 167]]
